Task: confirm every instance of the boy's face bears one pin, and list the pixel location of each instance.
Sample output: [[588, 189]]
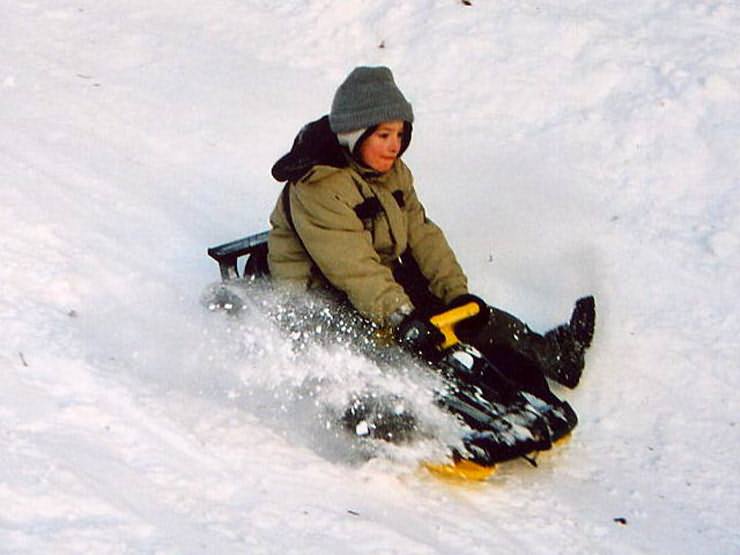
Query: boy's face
[[380, 150]]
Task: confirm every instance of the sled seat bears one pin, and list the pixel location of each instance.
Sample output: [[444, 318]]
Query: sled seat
[[253, 246]]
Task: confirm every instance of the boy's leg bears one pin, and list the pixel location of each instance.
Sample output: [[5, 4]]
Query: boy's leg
[[558, 354]]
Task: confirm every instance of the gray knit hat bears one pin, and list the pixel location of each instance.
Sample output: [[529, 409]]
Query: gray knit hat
[[368, 97]]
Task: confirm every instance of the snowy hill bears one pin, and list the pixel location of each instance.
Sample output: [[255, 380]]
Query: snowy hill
[[565, 148]]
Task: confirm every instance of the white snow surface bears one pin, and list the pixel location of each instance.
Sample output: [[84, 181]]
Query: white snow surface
[[566, 148]]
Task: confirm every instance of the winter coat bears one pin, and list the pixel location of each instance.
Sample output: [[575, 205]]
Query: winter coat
[[355, 224]]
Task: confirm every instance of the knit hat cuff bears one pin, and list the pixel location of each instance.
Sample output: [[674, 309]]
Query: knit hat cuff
[[362, 119]]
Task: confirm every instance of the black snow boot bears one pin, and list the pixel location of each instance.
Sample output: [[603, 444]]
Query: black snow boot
[[568, 344], [582, 321]]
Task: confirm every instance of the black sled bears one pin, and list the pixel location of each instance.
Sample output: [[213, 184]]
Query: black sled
[[505, 422]]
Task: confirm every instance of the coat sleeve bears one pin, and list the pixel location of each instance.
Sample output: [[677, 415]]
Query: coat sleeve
[[337, 241], [432, 253]]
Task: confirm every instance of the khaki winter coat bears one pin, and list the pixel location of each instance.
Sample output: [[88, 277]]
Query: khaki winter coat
[[354, 255]]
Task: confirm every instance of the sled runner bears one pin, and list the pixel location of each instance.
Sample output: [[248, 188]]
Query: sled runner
[[505, 422]]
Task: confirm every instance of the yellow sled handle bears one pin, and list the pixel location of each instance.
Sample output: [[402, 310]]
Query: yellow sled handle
[[445, 322]]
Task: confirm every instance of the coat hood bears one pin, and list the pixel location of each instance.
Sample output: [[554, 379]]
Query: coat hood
[[315, 144]]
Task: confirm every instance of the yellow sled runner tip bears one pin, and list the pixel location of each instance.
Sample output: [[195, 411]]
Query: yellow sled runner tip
[[464, 470], [460, 470]]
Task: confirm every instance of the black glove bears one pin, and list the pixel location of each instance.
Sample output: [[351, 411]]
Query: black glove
[[417, 334], [474, 324]]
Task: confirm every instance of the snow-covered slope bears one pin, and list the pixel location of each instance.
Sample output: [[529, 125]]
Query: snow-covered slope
[[566, 148]]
